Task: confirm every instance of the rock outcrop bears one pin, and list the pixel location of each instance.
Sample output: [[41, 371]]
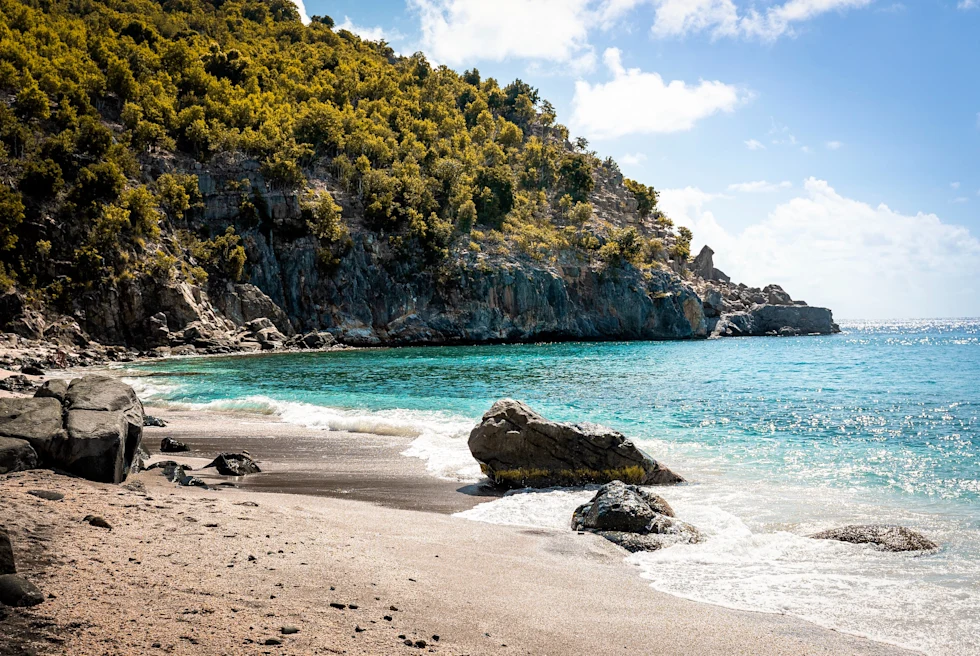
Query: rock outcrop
[[886, 538], [634, 518], [16, 455], [516, 447], [94, 433]]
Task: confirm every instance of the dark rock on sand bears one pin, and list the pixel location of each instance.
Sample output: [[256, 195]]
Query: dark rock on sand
[[170, 445], [17, 383], [18, 592], [139, 460], [97, 521], [192, 481], [516, 447], [31, 370], [7, 564], [173, 472], [234, 464], [47, 495], [56, 388], [288, 630], [634, 518], [154, 422], [16, 455], [887, 538]]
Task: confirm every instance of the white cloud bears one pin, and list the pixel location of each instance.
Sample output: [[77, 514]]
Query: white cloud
[[759, 187], [376, 33], [722, 18], [754, 144], [861, 260], [954, 185], [302, 11], [633, 158], [833, 145], [968, 4], [634, 102], [459, 32], [960, 200]]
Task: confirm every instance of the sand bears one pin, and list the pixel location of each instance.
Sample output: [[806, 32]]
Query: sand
[[176, 574]]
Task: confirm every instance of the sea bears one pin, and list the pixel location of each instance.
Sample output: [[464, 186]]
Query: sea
[[779, 438]]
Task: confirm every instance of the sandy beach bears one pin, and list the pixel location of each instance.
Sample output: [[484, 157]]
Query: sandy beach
[[345, 520]]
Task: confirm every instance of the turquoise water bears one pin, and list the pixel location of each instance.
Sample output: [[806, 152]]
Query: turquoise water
[[780, 436]]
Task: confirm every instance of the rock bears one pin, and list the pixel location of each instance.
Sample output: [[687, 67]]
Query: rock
[[16, 455], [517, 447], [634, 518], [7, 564], [163, 464], [154, 422], [31, 370], [170, 445], [271, 642], [234, 464], [288, 630], [17, 383], [47, 495], [39, 421], [776, 296], [139, 460], [97, 521], [18, 592], [174, 472], [56, 388], [192, 481], [887, 538], [316, 340]]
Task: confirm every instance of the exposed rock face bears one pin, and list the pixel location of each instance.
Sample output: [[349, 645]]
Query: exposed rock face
[[634, 518], [703, 266], [516, 447], [95, 434], [887, 538], [16, 455]]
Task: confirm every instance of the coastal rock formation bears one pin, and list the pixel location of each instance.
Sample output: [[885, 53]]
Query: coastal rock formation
[[516, 447], [886, 538], [94, 434], [234, 464], [16, 455], [634, 518], [56, 388]]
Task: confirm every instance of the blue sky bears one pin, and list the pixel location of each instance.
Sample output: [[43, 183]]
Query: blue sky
[[831, 146]]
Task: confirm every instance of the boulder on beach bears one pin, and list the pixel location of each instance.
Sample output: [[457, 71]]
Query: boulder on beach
[[885, 537], [634, 518], [170, 445], [16, 455], [516, 447], [94, 432], [7, 565], [18, 592], [56, 388], [154, 422], [234, 464]]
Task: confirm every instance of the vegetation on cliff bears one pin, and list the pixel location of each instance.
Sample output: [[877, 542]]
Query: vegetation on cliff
[[97, 93]]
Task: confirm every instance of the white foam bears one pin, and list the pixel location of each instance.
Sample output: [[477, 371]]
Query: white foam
[[756, 556]]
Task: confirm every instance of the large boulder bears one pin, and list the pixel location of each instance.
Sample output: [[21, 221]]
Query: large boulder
[[18, 592], [56, 388], [7, 565], [38, 421], [95, 434], [516, 447], [634, 518], [886, 538], [16, 455]]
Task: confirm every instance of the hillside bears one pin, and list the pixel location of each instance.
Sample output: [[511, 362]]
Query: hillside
[[174, 171]]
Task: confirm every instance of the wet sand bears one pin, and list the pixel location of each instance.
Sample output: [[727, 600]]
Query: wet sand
[[176, 574]]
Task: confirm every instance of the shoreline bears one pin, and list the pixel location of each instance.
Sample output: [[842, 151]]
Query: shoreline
[[363, 519]]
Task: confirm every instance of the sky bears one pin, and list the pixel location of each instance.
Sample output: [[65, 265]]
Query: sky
[[829, 146]]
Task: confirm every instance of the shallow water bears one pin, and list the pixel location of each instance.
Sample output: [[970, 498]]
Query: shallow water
[[781, 437]]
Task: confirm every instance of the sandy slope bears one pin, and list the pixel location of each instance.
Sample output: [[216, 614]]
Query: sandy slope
[[175, 570]]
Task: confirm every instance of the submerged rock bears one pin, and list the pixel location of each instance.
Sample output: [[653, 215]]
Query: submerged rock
[[634, 518], [887, 538], [516, 447], [234, 464], [16, 455], [18, 592]]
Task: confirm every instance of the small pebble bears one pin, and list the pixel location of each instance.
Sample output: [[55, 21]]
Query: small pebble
[[334, 604], [273, 641], [288, 630], [421, 644]]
